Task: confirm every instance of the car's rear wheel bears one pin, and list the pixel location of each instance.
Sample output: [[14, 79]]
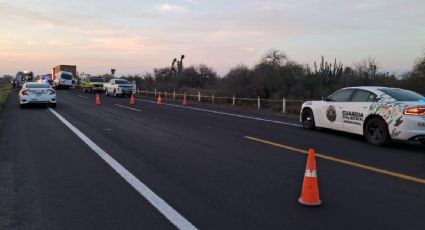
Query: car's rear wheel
[[53, 105], [21, 106], [376, 131], [307, 119]]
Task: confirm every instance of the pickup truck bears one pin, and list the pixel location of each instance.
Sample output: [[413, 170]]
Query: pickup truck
[[119, 87], [92, 84]]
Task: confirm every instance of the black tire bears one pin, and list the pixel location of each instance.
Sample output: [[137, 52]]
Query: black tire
[[376, 132], [21, 106], [307, 119], [53, 105]]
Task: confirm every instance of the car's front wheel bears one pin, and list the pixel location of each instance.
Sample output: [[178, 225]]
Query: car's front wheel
[[307, 119], [53, 105], [376, 131]]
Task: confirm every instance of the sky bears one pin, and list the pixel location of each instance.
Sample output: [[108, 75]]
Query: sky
[[135, 36]]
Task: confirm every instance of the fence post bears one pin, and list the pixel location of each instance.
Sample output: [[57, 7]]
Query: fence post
[[258, 102], [138, 90], [199, 96], [174, 94], [234, 100], [284, 105], [165, 94], [155, 92], [212, 98]]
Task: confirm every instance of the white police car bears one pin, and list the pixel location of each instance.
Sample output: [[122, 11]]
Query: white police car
[[378, 113]]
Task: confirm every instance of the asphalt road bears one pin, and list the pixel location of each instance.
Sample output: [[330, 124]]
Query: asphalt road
[[210, 169]]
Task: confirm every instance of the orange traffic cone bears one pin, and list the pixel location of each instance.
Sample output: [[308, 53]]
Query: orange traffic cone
[[184, 100], [132, 99], [310, 190], [97, 99], [159, 100]]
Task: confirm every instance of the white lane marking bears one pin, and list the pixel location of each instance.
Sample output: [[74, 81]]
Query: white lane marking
[[83, 96], [172, 215], [122, 106], [223, 113]]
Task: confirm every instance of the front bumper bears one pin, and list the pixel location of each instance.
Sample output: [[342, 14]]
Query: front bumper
[[126, 92], [97, 89]]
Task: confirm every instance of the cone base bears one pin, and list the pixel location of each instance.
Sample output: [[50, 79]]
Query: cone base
[[318, 203]]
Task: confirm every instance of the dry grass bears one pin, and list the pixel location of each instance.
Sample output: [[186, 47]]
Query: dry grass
[[5, 90]]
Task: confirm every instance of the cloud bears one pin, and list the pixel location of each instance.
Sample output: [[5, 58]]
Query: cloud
[[123, 44], [165, 9], [194, 1]]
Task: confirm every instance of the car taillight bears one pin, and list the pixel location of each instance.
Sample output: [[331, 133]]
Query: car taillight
[[415, 111], [24, 92], [52, 92]]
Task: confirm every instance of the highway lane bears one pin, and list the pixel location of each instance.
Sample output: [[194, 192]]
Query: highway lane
[[58, 183], [201, 164]]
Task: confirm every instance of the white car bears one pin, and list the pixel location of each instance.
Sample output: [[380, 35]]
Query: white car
[[37, 93], [378, 113], [119, 87]]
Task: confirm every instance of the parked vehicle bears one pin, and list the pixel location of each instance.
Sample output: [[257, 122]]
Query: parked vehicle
[[378, 113], [119, 87], [63, 79], [37, 93], [92, 84], [22, 77]]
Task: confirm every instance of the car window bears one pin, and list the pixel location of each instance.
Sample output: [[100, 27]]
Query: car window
[[342, 95], [96, 80], [66, 76], [403, 95], [363, 96], [122, 82], [37, 86]]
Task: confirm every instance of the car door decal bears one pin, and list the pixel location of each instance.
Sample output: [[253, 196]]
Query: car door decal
[[331, 113]]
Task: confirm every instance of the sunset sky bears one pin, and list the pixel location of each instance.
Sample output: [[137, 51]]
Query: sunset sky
[[136, 36]]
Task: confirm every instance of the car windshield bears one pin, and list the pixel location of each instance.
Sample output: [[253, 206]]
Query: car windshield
[[37, 86], [122, 82], [66, 76], [403, 95], [96, 80]]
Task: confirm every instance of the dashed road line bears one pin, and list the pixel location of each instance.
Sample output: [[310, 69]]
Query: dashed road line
[[126, 107], [341, 161], [171, 214], [224, 113]]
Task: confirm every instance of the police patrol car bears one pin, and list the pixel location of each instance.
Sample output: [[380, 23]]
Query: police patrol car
[[378, 113]]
